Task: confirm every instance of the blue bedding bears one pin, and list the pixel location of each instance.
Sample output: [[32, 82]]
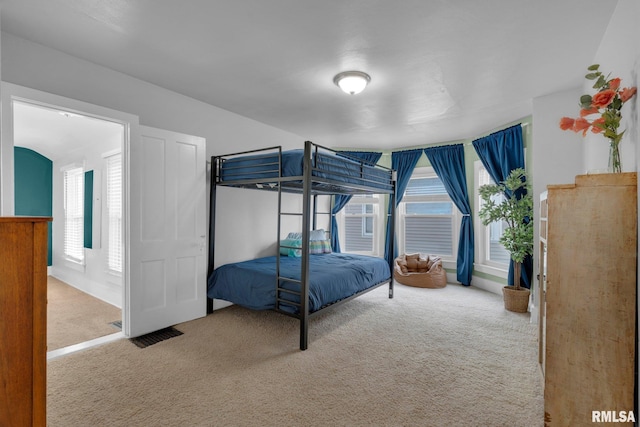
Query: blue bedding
[[333, 277], [329, 166]]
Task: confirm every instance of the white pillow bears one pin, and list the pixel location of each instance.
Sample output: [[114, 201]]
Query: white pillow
[[318, 235], [314, 235]]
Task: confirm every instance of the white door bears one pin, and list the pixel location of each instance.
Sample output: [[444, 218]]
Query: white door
[[167, 234]]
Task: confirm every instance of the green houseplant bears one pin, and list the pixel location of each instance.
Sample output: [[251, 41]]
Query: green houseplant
[[516, 210]]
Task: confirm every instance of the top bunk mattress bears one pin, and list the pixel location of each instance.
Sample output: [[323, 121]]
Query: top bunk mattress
[[333, 277], [329, 165]]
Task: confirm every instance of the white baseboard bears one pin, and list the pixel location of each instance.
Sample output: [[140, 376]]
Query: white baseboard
[[487, 285], [110, 293]]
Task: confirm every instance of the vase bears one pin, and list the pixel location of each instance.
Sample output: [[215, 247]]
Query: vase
[[614, 158]]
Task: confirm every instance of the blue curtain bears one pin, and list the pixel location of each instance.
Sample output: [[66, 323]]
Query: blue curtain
[[500, 153], [448, 163], [403, 162], [341, 200]]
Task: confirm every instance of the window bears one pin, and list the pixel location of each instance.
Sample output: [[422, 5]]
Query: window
[[74, 214], [428, 220], [114, 213], [490, 250], [359, 225]]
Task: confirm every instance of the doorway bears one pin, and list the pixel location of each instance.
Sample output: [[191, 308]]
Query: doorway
[[84, 193], [72, 135], [162, 258]]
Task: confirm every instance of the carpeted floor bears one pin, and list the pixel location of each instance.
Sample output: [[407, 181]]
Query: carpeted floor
[[428, 357], [74, 316]]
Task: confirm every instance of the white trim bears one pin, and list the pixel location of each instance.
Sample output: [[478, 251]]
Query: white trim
[[75, 348], [481, 233], [487, 285], [111, 153], [74, 165]]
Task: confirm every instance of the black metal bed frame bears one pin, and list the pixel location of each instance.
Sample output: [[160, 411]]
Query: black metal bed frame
[[314, 181]]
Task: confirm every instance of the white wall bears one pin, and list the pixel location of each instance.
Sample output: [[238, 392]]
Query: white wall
[[619, 54], [556, 157], [245, 229]]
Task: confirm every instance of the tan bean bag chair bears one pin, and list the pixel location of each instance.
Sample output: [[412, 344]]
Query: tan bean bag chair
[[420, 270]]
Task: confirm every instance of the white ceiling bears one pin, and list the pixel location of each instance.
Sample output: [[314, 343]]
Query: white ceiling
[[441, 70], [54, 133]]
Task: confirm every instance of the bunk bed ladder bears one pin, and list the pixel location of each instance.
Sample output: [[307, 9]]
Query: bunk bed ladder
[[302, 294]]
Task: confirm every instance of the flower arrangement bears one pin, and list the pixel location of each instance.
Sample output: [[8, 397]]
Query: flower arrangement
[[600, 113]]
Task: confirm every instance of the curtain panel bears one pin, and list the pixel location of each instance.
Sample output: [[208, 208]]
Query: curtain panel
[[403, 162], [500, 153], [341, 200], [448, 163]]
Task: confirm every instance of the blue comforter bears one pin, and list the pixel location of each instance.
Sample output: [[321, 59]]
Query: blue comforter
[[329, 166], [333, 277]]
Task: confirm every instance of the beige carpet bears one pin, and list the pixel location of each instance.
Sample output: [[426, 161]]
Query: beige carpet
[[428, 357], [74, 316]]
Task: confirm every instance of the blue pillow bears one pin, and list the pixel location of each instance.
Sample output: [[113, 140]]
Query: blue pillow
[[289, 251]]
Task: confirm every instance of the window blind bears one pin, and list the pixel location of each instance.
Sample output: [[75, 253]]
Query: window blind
[[74, 214], [429, 234], [114, 213]]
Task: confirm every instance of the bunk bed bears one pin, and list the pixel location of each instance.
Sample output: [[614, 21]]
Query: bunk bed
[[304, 285]]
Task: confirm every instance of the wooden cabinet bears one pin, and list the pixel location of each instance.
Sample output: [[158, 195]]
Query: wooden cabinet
[[590, 300], [23, 327]]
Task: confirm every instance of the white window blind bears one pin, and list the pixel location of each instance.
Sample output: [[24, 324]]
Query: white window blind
[[74, 214], [427, 217], [114, 213]]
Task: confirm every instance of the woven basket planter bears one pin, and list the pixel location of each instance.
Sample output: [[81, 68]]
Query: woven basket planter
[[516, 300]]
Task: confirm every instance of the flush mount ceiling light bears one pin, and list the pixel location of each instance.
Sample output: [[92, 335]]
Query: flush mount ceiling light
[[352, 82]]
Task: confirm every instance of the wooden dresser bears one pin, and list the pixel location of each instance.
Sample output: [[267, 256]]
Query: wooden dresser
[[588, 311], [23, 320]]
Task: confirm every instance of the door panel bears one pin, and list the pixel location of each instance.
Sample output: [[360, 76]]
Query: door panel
[[168, 230]]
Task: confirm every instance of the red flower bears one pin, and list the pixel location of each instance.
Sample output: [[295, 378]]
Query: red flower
[[602, 99], [581, 125], [614, 84], [586, 112], [601, 113], [627, 93], [566, 123]]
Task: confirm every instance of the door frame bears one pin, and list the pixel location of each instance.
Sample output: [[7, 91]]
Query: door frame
[[10, 93]]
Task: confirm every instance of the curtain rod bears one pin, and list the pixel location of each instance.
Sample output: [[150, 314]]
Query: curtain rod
[[523, 125]]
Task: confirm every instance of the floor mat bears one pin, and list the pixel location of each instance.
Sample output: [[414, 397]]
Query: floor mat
[[155, 337]]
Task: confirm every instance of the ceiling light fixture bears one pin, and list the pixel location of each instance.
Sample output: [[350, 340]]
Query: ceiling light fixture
[[352, 82]]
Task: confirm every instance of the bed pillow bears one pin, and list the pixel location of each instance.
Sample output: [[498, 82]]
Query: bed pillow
[[320, 247], [318, 235], [293, 243], [295, 236], [314, 235]]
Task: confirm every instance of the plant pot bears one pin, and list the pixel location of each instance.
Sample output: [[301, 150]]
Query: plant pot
[[516, 300]]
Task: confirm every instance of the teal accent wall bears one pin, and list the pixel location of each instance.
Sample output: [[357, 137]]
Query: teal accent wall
[[88, 209], [34, 187]]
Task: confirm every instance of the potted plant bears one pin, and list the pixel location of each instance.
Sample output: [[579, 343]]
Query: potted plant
[[516, 210]]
